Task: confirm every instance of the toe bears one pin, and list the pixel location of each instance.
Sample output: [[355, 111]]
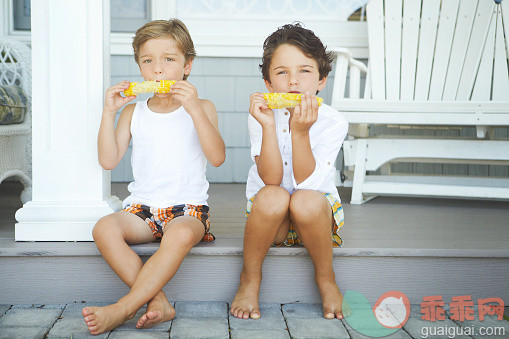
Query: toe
[[86, 311], [339, 315], [328, 314], [255, 314]]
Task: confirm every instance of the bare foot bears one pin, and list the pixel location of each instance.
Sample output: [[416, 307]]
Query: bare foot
[[332, 299], [158, 311], [245, 303], [104, 319]]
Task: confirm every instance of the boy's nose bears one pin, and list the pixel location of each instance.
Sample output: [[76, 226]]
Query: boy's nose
[[294, 80], [157, 68]]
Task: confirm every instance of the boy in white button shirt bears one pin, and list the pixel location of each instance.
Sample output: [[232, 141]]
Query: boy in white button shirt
[[292, 197]]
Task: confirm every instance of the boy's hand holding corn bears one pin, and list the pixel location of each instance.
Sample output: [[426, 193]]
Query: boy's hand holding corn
[[113, 101], [187, 94], [260, 111], [304, 115]]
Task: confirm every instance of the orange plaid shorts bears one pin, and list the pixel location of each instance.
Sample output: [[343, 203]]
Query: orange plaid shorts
[[158, 218]]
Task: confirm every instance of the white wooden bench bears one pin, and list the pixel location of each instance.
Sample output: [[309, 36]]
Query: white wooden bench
[[431, 62]]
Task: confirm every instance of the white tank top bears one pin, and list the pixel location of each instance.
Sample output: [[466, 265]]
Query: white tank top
[[167, 159]]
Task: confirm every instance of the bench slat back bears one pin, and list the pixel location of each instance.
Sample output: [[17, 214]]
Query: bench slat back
[[453, 50]]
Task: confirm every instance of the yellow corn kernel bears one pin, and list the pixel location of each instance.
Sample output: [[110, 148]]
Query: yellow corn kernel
[[136, 88], [283, 100]]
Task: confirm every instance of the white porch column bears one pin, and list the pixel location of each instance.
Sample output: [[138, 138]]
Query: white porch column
[[70, 62]]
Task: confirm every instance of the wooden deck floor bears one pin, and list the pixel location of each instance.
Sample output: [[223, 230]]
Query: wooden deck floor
[[390, 223]]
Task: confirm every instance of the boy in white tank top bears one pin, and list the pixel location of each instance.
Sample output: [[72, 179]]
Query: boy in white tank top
[[174, 135]]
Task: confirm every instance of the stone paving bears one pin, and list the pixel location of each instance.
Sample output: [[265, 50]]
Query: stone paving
[[212, 320]]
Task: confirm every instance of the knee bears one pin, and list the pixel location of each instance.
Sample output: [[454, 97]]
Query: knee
[[181, 235], [306, 206], [272, 201], [100, 230], [106, 228]]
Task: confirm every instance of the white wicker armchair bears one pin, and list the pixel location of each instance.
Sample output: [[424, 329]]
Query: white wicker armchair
[[15, 140]]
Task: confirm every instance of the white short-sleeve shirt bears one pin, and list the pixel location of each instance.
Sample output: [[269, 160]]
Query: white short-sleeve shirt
[[326, 137]]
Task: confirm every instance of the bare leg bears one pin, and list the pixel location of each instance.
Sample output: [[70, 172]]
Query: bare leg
[[312, 216], [180, 236], [112, 235], [267, 223]]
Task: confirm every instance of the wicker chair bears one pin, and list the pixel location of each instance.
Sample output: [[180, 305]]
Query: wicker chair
[[15, 140]]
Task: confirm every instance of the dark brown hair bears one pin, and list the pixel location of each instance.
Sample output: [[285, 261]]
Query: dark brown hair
[[173, 28], [305, 40]]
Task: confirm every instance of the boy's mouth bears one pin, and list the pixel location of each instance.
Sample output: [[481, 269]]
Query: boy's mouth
[[294, 92]]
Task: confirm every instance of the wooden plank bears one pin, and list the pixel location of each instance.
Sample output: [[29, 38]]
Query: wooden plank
[[411, 19], [393, 14], [446, 26], [474, 51], [483, 81], [459, 47], [427, 39], [500, 73], [505, 22], [376, 48]]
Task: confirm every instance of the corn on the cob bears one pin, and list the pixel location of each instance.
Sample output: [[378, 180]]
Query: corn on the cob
[[136, 88], [283, 100]]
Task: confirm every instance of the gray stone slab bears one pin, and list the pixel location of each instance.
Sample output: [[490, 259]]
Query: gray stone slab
[[316, 328], [199, 328], [30, 318], [138, 335], [130, 325], [400, 334], [263, 334], [3, 309], [72, 327], [201, 309], [23, 332], [302, 311], [271, 319]]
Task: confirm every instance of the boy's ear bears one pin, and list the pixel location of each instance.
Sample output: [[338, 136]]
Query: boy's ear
[[321, 83], [188, 66]]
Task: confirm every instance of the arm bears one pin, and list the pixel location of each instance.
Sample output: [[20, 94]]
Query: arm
[[304, 116], [205, 121], [325, 151], [112, 143], [269, 163]]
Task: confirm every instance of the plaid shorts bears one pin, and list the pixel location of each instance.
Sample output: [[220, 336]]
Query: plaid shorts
[[293, 239], [158, 218]]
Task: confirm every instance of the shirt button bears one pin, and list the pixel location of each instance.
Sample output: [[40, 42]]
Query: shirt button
[[286, 163], [284, 130], [328, 163], [286, 113]]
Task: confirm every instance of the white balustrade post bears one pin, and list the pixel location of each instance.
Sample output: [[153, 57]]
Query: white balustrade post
[[70, 63]]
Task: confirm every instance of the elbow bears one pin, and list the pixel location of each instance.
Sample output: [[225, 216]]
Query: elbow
[[107, 165], [218, 161]]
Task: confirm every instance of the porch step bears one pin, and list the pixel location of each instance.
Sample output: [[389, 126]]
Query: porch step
[[61, 273]]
